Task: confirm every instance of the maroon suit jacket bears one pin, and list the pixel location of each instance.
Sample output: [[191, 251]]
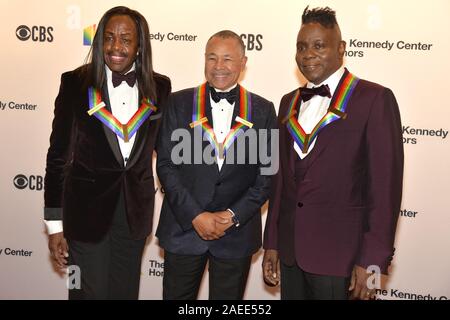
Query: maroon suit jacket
[[344, 210], [85, 172]]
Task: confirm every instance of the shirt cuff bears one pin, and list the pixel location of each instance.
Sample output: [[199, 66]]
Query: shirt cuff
[[53, 226], [233, 217]]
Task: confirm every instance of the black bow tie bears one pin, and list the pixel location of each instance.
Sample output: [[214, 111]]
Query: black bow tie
[[308, 93], [129, 78], [217, 96]]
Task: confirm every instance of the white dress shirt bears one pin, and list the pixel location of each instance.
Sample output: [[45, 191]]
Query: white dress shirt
[[313, 110], [124, 104], [222, 114]]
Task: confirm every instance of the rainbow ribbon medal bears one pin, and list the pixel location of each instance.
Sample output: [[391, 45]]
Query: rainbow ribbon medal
[[335, 112], [199, 118], [124, 131]]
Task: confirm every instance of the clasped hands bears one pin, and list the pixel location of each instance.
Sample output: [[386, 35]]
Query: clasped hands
[[212, 225]]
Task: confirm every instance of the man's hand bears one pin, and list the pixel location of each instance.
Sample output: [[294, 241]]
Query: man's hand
[[206, 225], [59, 250], [358, 284], [271, 267]]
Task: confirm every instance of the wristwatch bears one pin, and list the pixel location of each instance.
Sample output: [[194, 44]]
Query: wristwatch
[[234, 218]]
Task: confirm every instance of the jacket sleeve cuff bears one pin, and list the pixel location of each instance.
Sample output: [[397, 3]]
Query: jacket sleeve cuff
[[53, 213]]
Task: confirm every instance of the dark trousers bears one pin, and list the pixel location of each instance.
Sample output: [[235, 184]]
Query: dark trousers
[[297, 284], [110, 269], [183, 275]]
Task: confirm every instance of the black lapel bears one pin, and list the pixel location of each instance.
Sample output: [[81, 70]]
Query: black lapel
[[110, 135], [237, 108], [208, 111]]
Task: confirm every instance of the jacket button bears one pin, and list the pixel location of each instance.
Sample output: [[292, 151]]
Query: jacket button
[[299, 204]]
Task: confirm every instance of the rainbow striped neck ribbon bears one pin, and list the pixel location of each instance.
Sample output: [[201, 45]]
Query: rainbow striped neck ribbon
[[124, 131], [199, 119], [335, 112]]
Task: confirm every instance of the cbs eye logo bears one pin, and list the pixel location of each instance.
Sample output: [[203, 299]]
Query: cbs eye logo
[[23, 33], [36, 33], [31, 182]]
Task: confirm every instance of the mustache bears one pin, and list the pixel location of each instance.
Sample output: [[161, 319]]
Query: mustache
[[115, 53]]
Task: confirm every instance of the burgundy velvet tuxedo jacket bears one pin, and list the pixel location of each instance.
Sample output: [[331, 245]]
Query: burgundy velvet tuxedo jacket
[[85, 171], [343, 209]]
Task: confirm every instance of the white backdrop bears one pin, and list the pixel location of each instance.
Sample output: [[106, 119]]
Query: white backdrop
[[401, 44]]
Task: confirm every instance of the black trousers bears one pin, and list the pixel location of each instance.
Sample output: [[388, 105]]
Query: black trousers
[[111, 268], [183, 275], [297, 284]]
